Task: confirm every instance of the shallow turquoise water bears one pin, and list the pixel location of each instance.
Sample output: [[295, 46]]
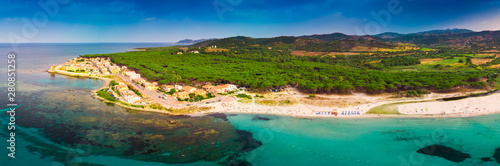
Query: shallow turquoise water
[[289, 141], [286, 140], [71, 82]]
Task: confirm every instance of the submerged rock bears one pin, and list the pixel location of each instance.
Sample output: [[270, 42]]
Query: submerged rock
[[238, 163], [248, 142], [486, 159], [497, 155], [171, 121], [219, 115], [445, 152], [261, 118]]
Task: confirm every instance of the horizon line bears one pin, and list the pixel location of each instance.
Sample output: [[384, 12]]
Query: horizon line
[[175, 42]]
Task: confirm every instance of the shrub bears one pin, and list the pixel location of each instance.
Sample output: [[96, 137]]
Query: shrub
[[244, 96], [106, 95], [285, 102], [113, 83]]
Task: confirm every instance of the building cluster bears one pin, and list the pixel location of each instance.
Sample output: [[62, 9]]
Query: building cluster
[[95, 66], [130, 96], [105, 66], [182, 92], [186, 49], [136, 77], [78, 65], [225, 88]]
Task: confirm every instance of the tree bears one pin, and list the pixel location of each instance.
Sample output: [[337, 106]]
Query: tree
[[113, 83], [468, 61]]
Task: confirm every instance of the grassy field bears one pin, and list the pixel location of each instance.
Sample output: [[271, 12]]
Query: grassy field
[[484, 55], [428, 49], [375, 49], [377, 61], [495, 66], [429, 60], [430, 65], [216, 50], [479, 61], [445, 62]]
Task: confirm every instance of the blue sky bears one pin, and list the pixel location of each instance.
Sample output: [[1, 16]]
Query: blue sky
[[168, 21]]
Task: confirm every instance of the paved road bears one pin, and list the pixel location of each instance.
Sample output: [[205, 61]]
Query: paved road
[[154, 95], [158, 96]]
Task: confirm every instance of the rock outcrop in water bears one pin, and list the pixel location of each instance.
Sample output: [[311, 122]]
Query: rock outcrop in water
[[248, 142], [497, 155], [444, 152]]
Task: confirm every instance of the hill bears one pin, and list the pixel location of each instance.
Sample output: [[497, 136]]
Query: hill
[[389, 35], [485, 38], [328, 43], [191, 41], [329, 37], [445, 31]]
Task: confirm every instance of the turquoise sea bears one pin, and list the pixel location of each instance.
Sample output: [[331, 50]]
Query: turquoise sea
[[59, 123]]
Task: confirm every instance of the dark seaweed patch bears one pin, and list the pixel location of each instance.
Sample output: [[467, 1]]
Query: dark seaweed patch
[[219, 115], [260, 118], [144, 136], [444, 152], [497, 155], [486, 159], [239, 163], [137, 145], [403, 135], [248, 142]]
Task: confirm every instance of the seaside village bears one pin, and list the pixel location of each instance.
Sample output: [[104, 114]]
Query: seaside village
[[103, 67]]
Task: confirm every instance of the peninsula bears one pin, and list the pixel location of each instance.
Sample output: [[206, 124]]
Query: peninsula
[[331, 75]]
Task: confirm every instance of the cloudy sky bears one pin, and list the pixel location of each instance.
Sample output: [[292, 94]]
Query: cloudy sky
[[169, 21]]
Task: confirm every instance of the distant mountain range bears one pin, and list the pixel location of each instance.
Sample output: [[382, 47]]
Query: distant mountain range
[[457, 37], [393, 35], [191, 41]]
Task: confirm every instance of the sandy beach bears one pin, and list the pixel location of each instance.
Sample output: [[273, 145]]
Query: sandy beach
[[427, 107], [473, 106]]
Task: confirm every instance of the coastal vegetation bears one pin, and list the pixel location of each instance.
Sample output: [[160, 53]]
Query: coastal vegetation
[[105, 94], [268, 63], [306, 74], [242, 95], [388, 109]]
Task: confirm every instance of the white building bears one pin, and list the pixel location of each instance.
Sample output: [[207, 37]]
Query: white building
[[130, 97], [135, 76]]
